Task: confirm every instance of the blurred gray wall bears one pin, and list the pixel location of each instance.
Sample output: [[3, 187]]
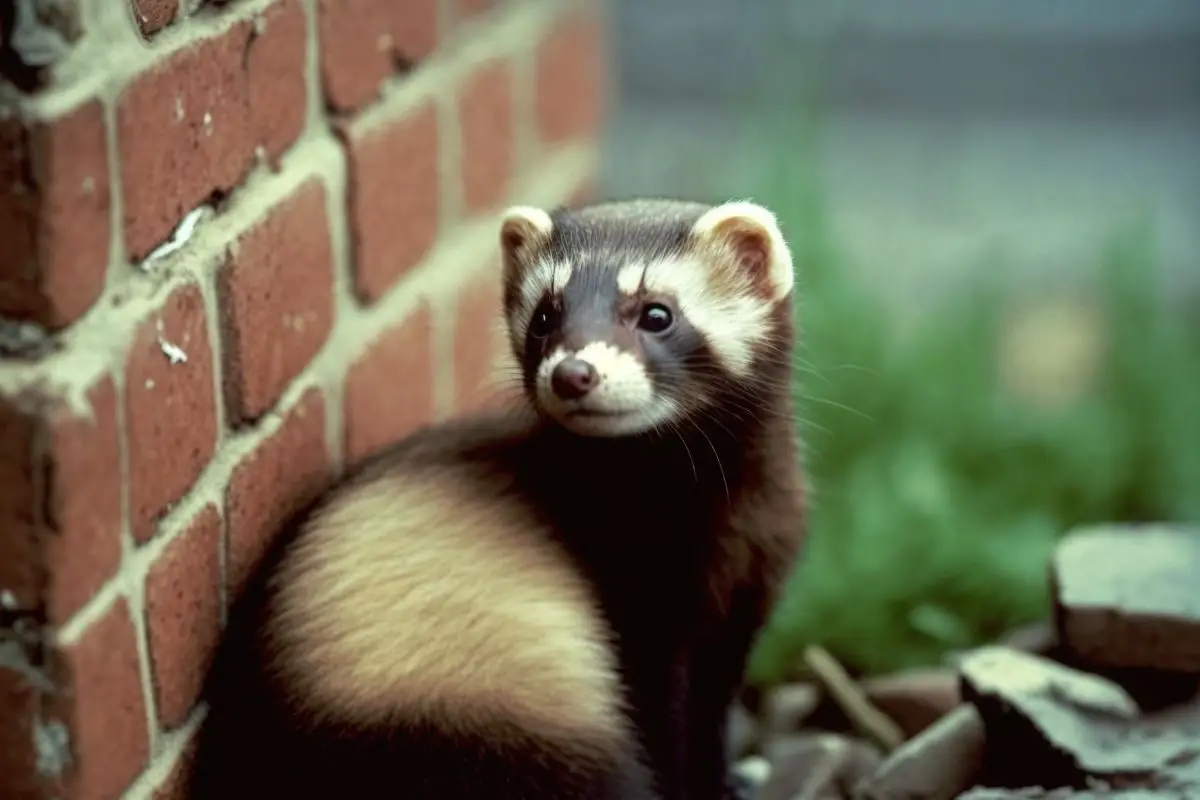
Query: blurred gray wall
[[954, 133]]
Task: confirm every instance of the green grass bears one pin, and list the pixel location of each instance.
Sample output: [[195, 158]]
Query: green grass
[[938, 493]]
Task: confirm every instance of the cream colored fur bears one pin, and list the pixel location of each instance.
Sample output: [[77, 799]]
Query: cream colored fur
[[414, 596]]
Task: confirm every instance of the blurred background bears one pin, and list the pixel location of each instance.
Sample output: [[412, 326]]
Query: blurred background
[[996, 213]]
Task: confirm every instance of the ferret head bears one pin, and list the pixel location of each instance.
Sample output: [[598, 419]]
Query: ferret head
[[629, 316]]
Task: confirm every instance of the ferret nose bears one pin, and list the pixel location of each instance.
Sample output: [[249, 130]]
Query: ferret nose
[[573, 378]]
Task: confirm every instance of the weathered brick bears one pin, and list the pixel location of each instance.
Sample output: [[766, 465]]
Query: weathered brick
[[364, 41], [279, 475], [276, 293], [389, 389], [109, 736], [394, 196], [21, 506], [183, 130], [84, 504], [154, 15], [54, 215], [276, 65], [487, 153], [20, 707], [414, 30], [188, 127], [183, 615], [170, 408], [60, 502], [482, 375], [568, 84]]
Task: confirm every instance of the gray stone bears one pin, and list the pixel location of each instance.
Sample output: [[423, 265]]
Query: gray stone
[[786, 708], [743, 734], [940, 763], [1050, 725], [824, 766], [1038, 793], [1129, 596], [915, 699], [748, 776]]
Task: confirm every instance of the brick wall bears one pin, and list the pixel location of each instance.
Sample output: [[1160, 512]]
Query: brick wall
[[243, 243]]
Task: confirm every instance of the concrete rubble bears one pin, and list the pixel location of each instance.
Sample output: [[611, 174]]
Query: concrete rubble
[[1101, 701]]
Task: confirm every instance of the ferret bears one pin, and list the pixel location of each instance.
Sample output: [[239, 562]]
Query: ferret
[[555, 600]]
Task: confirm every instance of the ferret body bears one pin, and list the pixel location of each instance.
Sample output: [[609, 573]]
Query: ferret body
[[556, 601]]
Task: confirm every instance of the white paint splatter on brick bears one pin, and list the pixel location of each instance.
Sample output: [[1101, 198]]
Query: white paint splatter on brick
[[174, 353], [180, 236]]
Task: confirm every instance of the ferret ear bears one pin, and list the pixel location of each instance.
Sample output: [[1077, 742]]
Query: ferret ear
[[747, 236], [522, 229]]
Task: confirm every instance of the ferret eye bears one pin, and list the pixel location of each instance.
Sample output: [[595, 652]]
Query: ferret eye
[[542, 323], [655, 318]]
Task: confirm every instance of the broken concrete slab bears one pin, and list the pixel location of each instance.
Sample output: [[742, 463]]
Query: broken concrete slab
[[1129, 596], [1050, 725], [939, 764]]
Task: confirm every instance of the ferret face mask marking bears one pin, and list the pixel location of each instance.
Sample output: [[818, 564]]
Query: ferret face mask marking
[[625, 325], [598, 363]]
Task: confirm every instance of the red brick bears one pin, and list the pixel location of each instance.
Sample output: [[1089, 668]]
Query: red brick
[[480, 348], [21, 505], [365, 41], [188, 127], [569, 83], [109, 736], [414, 30], [356, 50], [60, 501], [487, 153], [389, 389], [279, 475], [154, 15], [171, 159], [20, 707], [276, 64], [394, 197], [170, 408], [84, 506], [54, 215], [183, 615], [276, 295]]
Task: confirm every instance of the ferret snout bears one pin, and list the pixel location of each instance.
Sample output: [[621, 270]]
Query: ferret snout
[[573, 378]]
